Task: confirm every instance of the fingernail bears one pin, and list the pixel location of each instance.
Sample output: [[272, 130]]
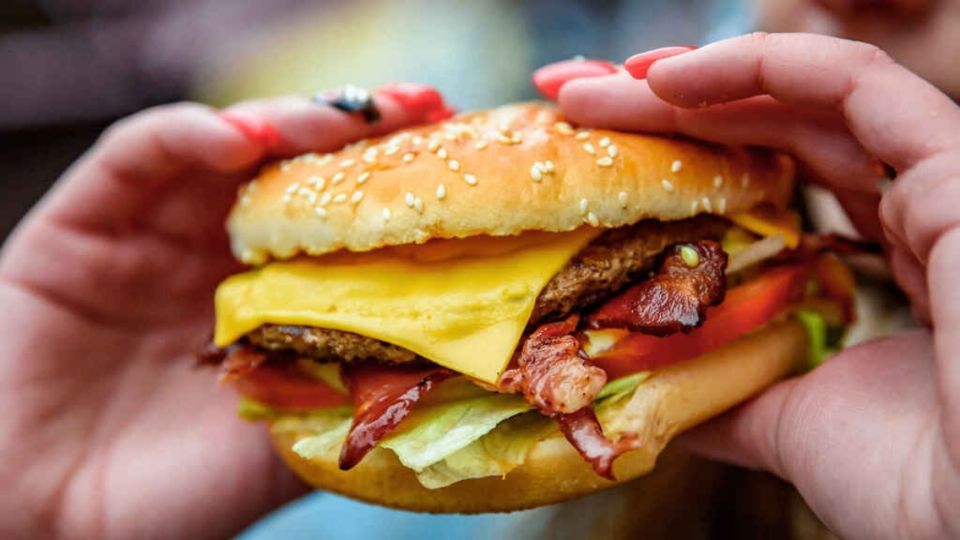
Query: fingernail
[[638, 64], [418, 100], [253, 128], [550, 78]]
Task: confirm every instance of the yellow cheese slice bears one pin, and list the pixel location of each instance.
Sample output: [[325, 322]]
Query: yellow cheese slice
[[463, 306], [767, 221]]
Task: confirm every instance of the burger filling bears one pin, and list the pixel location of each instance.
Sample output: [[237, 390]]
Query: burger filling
[[630, 301]]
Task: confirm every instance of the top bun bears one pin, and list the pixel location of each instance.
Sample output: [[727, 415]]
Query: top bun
[[497, 172]]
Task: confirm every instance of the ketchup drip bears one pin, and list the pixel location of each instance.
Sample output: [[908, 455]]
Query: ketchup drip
[[384, 396]]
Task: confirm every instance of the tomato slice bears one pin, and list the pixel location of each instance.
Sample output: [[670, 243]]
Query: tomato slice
[[284, 386], [746, 308]]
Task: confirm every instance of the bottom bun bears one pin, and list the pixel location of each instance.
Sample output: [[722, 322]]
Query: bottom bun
[[675, 398]]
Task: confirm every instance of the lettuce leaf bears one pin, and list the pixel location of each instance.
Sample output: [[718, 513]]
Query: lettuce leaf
[[820, 346], [620, 388], [431, 434], [495, 454]]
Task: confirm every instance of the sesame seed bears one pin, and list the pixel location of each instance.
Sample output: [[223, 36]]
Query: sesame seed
[[391, 150], [318, 182], [441, 192], [364, 176], [583, 135], [418, 205], [470, 179], [434, 145], [612, 150], [722, 205], [409, 199], [707, 205], [337, 178], [563, 128], [417, 140], [322, 212], [535, 173], [583, 206], [370, 154], [450, 136], [285, 166], [292, 188], [480, 145], [667, 185], [694, 206], [286, 199], [408, 157], [454, 165], [548, 166], [622, 197], [676, 166], [325, 199], [386, 214], [604, 142], [340, 197], [745, 180], [588, 148], [717, 181], [592, 218], [605, 161], [347, 163], [355, 198], [516, 139], [326, 159], [442, 153]]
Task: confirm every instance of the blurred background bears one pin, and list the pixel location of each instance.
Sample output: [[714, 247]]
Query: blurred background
[[71, 67]]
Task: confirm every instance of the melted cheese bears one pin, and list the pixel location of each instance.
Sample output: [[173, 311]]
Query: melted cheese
[[766, 222], [462, 311]]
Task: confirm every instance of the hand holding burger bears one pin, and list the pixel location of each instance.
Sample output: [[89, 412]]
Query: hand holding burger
[[872, 438]]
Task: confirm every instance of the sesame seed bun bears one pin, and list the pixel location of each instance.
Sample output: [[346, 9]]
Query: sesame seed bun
[[497, 172], [675, 398]]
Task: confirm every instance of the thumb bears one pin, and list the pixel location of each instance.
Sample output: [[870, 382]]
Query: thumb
[[840, 433]]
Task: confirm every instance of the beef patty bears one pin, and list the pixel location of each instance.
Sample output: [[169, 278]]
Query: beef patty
[[600, 269]]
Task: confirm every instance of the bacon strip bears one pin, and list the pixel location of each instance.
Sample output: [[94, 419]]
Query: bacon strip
[[383, 395], [691, 278], [551, 372], [239, 360], [583, 431]]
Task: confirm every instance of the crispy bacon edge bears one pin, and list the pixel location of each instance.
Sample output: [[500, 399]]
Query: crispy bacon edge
[[384, 396], [691, 278]]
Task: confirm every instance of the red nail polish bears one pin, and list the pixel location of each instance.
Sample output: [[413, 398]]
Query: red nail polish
[[638, 64], [551, 77], [254, 128], [418, 100]]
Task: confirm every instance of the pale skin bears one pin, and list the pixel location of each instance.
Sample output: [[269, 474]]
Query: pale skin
[[872, 438], [109, 431]]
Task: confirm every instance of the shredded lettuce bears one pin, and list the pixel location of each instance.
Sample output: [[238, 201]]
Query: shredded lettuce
[[495, 454], [619, 388], [432, 433], [461, 437]]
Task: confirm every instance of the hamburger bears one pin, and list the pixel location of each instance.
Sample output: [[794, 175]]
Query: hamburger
[[502, 310]]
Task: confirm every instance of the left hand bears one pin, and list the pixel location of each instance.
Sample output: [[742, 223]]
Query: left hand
[[107, 291]]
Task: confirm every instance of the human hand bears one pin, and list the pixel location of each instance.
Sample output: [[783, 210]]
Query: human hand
[[871, 439], [107, 290]]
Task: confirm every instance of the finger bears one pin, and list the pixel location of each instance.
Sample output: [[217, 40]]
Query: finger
[[301, 125], [138, 160], [818, 138], [838, 421], [550, 78], [945, 311], [921, 205], [853, 78], [847, 8]]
